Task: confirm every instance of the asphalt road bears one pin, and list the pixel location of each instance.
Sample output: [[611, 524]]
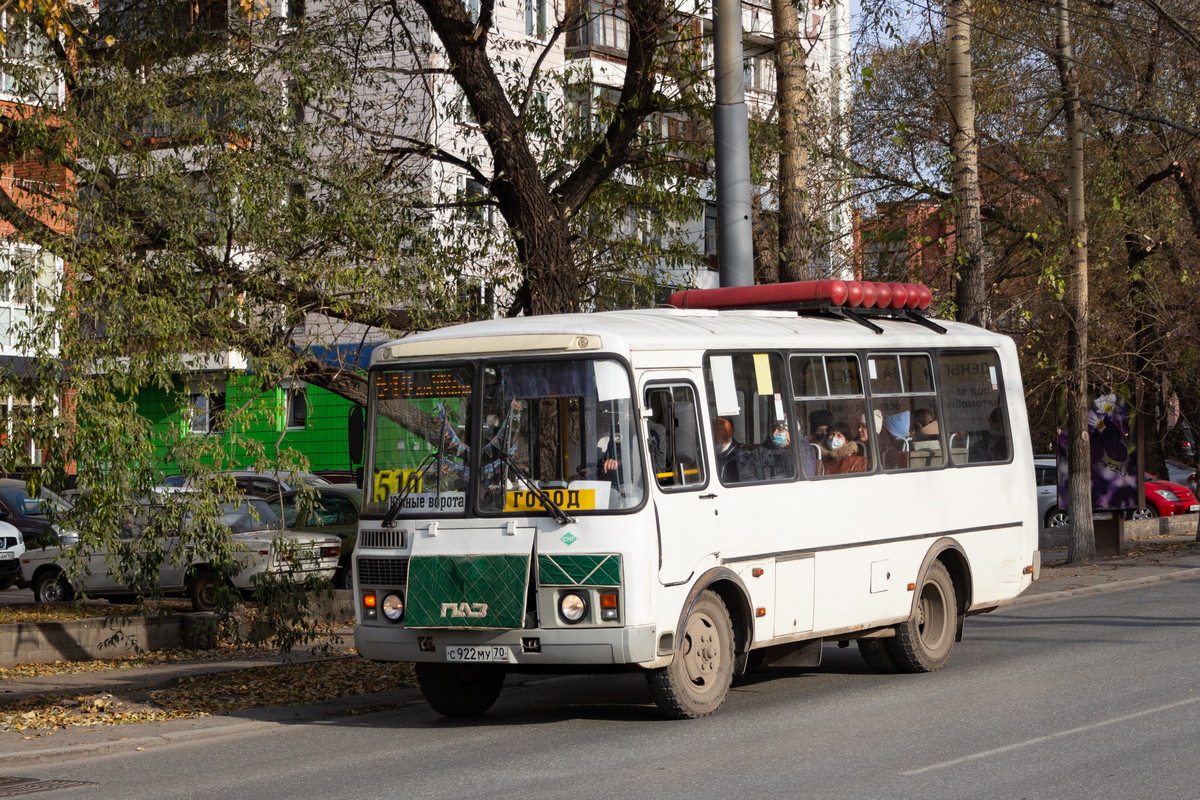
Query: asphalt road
[[1094, 696]]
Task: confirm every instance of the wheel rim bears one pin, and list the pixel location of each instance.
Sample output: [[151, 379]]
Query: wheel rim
[[52, 591], [1058, 519], [206, 593], [1141, 513], [932, 617], [702, 653]]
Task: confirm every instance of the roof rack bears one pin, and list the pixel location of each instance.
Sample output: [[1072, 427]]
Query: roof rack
[[856, 300]]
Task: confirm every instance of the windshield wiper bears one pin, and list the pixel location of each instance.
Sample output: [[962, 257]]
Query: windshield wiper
[[559, 515], [410, 485]]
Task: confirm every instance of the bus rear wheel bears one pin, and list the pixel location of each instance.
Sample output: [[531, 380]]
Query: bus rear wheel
[[697, 680], [924, 642], [460, 690]]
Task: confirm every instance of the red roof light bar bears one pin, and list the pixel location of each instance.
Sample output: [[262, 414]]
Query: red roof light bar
[[846, 294]]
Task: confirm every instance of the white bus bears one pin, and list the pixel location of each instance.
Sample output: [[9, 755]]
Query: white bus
[[691, 493]]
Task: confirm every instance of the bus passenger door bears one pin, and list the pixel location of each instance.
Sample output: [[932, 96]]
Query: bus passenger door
[[684, 506]]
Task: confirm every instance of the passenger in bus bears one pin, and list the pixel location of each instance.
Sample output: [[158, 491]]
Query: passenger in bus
[[726, 449], [840, 454], [775, 454], [992, 444], [862, 437], [818, 425], [892, 440], [925, 430], [819, 421]]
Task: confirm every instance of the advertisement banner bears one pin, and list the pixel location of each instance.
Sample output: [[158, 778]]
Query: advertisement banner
[[1114, 453]]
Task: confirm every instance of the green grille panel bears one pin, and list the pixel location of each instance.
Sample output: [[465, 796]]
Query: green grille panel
[[564, 570], [467, 591]]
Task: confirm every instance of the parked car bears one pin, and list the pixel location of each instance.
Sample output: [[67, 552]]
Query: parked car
[[253, 482], [32, 515], [12, 545], [1178, 472], [1163, 498], [330, 509], [261, 546]]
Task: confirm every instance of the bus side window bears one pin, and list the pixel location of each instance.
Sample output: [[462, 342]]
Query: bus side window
[[911, 436], [972, 395], [673, 437], [837, 434], [746, 390]]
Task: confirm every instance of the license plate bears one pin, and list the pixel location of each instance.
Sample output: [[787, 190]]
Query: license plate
[[7, 555], [1194, 507], [487, 653]]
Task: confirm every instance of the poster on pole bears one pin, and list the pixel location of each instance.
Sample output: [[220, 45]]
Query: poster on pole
[[1110, 422]]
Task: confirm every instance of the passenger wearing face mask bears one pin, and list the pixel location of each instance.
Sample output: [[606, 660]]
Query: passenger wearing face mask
[[776, 454], [839, 454]]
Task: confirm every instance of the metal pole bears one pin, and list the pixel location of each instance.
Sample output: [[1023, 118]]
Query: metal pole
[[735, 244]]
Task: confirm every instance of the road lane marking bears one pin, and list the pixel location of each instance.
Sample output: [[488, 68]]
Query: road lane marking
[[1051, 736]]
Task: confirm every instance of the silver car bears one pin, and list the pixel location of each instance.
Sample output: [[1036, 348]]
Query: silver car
[[261, 546], [1051, 516]]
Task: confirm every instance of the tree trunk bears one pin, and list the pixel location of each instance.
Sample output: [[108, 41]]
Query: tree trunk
[[1082, 546], [791, 106], [973, 258]]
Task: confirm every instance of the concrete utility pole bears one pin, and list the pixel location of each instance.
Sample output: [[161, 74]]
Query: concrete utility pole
[[735, 245]]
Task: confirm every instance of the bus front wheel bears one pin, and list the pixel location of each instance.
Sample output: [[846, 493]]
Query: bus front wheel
[[924, 642], [697, 680], [460, 690]]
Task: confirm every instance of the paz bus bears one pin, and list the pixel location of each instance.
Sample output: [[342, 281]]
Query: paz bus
[[691, 492]]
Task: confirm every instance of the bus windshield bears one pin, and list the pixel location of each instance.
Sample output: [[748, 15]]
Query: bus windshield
[[554, 436]]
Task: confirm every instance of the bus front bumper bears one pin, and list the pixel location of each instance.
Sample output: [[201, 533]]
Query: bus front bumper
[[537, 647]]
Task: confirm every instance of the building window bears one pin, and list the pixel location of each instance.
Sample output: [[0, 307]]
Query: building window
[[537, 13], [297, 405], [207, 410], [759, 73], [24, 68], [602, 25], [477, 201], [28, 282]]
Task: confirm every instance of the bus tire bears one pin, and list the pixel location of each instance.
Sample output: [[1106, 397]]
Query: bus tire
[[460, 690], [924, 642], [877, 655], [698, 678]]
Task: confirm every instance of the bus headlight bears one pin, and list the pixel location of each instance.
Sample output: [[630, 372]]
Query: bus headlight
[[393, 607], [572, 607]]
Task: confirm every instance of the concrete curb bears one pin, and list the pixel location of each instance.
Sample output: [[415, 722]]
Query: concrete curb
[[1098, 588], [88, 749]]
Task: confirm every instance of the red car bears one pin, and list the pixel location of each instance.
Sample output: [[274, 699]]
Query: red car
[[1166, 499]]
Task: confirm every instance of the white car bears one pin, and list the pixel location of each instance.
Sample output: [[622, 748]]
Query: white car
[[12, 546], [260, 546]]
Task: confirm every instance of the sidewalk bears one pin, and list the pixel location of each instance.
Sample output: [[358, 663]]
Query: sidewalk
[[1177, 557]]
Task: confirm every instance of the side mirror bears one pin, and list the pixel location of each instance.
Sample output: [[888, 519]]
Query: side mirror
[[355, 432]]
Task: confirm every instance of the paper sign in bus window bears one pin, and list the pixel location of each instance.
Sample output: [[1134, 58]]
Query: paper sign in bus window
[[724, 390], [762, 374]]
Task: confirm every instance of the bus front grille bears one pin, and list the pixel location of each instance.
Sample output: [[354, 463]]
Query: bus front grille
[[384, 539], [382, 571]]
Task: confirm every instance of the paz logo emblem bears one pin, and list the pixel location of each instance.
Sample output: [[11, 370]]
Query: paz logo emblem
[[568, 538], [459, 610]]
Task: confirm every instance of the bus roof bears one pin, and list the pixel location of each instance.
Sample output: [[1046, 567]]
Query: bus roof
[[626, 332]]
